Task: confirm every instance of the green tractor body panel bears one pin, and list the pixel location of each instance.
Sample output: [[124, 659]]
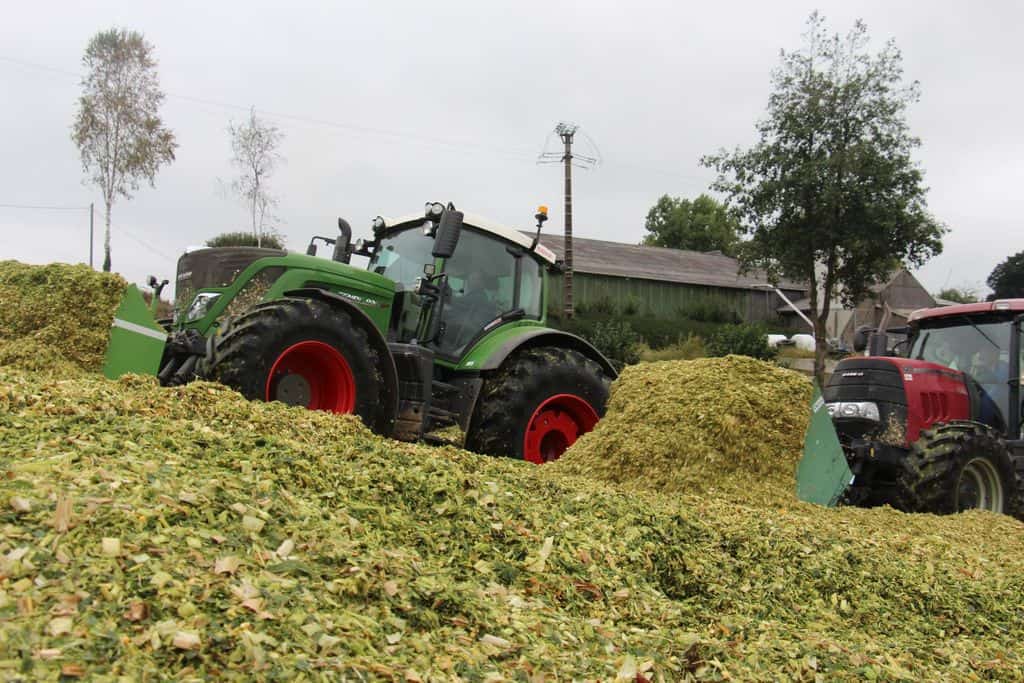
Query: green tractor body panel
[[484, 349], [491, 351], [371, 292]]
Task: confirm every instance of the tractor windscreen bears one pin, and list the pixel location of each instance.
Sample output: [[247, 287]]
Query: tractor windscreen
[[402, 255], [962, 343], [978, 346]]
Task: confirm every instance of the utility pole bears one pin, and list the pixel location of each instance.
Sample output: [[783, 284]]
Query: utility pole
[[567, 132], [91, 204]]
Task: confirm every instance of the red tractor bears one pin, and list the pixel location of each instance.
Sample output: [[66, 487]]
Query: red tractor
[[935, 427]]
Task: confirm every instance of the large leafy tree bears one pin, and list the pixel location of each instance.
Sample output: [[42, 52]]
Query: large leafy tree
[[699, 225], [829, 195], [254, 147], [118, 130], [1007, 279]]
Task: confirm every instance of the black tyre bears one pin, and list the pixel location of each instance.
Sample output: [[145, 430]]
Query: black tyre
[[956, 467], [538, 404], [302, 352]]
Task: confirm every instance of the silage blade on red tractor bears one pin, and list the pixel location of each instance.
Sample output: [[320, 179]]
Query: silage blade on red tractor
[[822, 475]]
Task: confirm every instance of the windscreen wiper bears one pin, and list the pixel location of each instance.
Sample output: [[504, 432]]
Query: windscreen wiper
[[982, 333]]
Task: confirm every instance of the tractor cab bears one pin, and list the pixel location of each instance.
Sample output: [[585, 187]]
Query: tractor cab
[[973, 339], [453, 285]]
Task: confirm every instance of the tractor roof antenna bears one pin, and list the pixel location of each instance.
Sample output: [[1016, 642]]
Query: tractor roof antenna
[[567, 132]]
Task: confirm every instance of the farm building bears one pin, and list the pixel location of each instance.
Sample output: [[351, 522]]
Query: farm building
[[902, 293], [666, 283]]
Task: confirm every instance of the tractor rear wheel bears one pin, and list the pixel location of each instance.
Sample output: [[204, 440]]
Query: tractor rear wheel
[[957, 467], [301, 352], [538, 404]]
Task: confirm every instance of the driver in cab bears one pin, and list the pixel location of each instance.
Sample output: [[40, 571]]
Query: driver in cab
[[472, 308], [992, 374]]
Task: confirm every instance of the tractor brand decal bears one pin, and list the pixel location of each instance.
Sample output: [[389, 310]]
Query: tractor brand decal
[[908, 377], [853, 374], [184, 276], [545, 252], [366, 301]]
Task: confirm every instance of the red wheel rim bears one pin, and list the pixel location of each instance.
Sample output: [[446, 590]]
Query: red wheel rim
[[555, 425], [314, 375]]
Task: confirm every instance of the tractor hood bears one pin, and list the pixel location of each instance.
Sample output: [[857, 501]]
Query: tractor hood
[[893, 399], [215, 267]]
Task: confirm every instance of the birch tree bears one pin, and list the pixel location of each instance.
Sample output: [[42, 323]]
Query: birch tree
[[117, 128]]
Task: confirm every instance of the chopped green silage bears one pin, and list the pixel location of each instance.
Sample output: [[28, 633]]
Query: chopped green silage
[[731, 427], [187, 534], [56, 318], [283, 543]]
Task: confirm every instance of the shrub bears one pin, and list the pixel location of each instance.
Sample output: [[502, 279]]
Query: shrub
[[602, 306], [686, 349], [741, 340], [245, 239], [655, 332], [631, 305], [617, 341], [710, 312]]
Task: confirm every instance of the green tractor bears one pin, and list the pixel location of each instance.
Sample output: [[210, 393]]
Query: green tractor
[[445, 327]]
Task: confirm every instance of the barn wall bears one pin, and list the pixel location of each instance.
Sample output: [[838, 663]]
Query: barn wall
[[665, 299]]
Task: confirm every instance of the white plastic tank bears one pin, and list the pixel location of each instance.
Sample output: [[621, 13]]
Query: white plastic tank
[[804, 342], [776, 339]]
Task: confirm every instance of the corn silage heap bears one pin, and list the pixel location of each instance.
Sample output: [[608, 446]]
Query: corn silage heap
[[186, 534], [56, 318], [728, 426]]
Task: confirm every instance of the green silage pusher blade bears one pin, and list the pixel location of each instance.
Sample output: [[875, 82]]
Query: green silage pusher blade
[[136, 340], [822, 476]]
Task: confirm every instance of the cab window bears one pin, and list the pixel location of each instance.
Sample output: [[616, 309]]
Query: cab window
[[402, 255], [481, 278], [530, 284]]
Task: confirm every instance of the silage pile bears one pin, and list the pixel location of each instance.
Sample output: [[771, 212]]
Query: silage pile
[[186, 534], [56, 318], [731, 426]]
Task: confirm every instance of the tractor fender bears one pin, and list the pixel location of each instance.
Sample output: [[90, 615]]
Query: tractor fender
[[389, 373], [547, 337]]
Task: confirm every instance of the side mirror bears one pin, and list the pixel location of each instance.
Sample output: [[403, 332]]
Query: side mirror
[[447, 236]]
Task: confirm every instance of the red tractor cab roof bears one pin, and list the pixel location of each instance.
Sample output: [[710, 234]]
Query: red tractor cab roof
[[967, 309]]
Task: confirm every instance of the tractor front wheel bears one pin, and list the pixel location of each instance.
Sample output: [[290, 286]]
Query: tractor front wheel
[[538, 404], [300, 352], [957, 467]]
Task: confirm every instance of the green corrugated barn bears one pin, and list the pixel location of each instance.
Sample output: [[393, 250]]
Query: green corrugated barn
[[664, 283]]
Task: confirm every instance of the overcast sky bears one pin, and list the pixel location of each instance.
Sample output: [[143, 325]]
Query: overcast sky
[[386, 105]]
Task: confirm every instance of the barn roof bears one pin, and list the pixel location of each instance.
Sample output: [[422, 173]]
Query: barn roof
[[713, 269]]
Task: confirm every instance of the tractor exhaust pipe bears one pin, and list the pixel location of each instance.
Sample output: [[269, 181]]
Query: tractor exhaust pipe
[[342, 253]]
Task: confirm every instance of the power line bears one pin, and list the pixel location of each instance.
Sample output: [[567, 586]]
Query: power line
[[44, 207], [341, 125], [516, 154]]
